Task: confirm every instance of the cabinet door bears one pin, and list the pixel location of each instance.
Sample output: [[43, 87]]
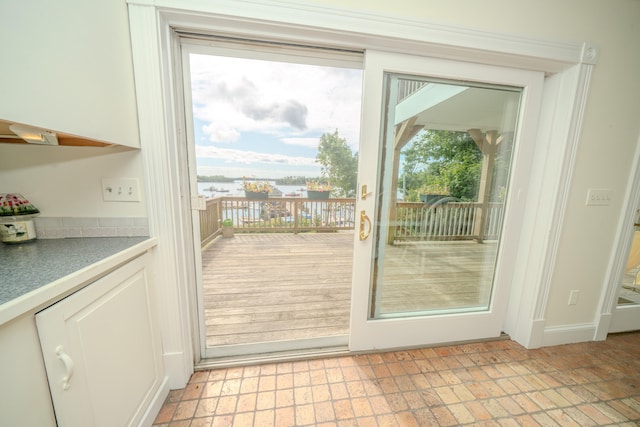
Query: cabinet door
[[102, 350]]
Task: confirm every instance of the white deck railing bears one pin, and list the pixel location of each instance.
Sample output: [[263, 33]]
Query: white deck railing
[[446, 221]]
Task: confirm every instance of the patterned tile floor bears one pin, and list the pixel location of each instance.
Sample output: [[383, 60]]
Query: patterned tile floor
[[496, 383]]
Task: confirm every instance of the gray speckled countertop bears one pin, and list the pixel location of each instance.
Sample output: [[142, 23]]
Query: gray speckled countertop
[[28, 266]]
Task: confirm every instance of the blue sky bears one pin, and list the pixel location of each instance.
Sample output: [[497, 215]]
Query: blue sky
[[264, 119]]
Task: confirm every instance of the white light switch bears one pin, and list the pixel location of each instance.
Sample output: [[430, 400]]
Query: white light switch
[[599, 196], [573, 297], [120, 190]]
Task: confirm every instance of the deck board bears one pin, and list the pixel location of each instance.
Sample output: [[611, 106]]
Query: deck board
[[272, 287]]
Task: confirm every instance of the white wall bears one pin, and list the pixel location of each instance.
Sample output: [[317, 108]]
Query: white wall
[[67, 181]]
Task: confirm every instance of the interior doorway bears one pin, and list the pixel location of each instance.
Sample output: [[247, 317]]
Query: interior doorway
[[626, 312], [630, 286]]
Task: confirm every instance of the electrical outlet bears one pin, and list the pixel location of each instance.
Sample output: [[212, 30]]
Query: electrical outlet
[[120, 190], [599, 196], [573, 297]]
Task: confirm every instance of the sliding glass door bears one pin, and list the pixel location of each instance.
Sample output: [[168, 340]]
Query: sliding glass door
[[439, 203]]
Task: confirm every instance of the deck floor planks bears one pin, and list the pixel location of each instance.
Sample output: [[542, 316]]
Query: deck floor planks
[[272, 287], [267, 287]]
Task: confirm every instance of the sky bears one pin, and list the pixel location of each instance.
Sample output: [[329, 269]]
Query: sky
[[264, 119]]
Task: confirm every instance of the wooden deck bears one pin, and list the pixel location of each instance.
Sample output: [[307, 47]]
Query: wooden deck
[[272, 287]]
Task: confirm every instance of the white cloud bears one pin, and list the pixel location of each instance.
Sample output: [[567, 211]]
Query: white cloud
[[221, 133], [238, 172], [251, 157], [233, 95], [302, 142]]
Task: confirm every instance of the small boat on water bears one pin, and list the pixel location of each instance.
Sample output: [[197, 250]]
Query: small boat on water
[[292, 195], [215, 189]]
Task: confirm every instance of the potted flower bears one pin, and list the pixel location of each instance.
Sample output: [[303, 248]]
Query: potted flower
[[227, 227], [318, 190], [431, 193], [16, 219], [254, 190]]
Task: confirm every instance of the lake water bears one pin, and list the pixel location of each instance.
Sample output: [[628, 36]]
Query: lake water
[[235, 189]]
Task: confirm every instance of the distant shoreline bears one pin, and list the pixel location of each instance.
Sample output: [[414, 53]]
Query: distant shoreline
[[289, 180]]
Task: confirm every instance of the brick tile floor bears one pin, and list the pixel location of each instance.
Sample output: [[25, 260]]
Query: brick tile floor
[[496, 383]]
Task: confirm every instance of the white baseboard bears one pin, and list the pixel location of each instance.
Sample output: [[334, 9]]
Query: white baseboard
[[175, 369], [558, 335], [156, 404], [604, 325]]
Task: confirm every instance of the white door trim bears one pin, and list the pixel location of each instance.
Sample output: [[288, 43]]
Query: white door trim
[[152, 25], [564, 103], [357, 29]]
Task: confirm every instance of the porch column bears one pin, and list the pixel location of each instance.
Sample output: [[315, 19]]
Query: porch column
[[488, 145], [403, 134]]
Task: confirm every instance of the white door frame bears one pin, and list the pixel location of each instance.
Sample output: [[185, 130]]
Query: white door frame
[[152, 29]]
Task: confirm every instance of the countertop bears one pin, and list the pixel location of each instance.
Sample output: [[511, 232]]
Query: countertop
[[34, 272]]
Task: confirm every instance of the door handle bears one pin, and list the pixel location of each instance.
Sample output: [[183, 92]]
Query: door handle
[[68, 367], [364, 218]]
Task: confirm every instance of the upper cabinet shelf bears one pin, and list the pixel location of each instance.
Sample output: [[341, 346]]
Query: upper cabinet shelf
[[9, 134]]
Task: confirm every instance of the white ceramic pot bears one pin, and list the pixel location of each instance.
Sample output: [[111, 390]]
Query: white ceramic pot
[[16, 230]]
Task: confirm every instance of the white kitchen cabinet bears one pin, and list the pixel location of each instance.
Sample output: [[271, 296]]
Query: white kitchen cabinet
[[24, 392], [70, 69], [102, 351]]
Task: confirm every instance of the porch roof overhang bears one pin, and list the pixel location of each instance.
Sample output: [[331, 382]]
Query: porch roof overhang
[[440, 106]]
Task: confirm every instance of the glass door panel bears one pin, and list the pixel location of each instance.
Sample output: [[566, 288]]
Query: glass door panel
[[447, 153], [444, 168]]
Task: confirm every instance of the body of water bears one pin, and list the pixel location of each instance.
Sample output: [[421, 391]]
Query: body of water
[[211, 189]]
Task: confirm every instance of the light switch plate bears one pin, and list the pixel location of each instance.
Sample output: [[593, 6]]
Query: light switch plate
[[120, 190], [599, 196]]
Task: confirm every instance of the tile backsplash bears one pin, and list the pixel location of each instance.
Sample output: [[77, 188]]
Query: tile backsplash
[[59, 228]]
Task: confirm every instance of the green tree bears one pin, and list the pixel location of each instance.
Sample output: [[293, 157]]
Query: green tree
[[339, 164], [443, 159]]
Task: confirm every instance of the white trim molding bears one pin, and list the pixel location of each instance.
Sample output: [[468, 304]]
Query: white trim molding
[[558, 335], [154, 24], [563, 112], [357, 29], [165, 222]]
